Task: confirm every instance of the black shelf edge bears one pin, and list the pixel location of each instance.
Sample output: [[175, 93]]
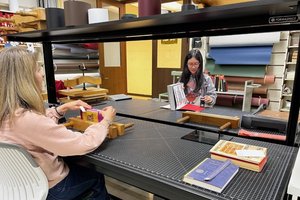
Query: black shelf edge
[[250, 17]]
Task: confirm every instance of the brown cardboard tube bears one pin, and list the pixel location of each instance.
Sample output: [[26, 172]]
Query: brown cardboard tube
[[55, 17], [149, 7], [224, 100], [76, 13], [260, 90], [268, 79]]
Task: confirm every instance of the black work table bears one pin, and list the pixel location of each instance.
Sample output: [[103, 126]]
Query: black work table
[[151, 156], [150, 110]]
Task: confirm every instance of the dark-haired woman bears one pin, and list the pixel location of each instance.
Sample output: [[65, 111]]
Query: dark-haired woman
[[198, 87]]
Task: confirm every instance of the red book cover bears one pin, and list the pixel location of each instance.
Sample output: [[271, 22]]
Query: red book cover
[[192, 107]]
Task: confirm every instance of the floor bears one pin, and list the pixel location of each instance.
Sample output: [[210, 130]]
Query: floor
[[125, 192]]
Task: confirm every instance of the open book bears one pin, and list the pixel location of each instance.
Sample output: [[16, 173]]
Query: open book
[[177, 99]]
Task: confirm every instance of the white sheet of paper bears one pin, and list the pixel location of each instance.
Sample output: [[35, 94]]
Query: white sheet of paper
[[168, 106], [82, 108], [251, 153]]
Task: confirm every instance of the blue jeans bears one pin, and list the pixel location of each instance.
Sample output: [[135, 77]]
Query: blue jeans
[[81, 183]]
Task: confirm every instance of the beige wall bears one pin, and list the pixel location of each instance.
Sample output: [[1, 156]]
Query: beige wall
[[139, 63], [139, 67], [139, 60], [169, 53]]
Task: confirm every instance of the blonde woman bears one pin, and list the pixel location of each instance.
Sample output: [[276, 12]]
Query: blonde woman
[[24, 121]]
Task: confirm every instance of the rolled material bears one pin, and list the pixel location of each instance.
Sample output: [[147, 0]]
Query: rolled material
[[224, 100], [260, 55], [260, 90], [256, 101], [82, 50], [230, 100], [253, 39], [93, 46], [55, 18], [76, 13], [238, 100], [97, 15], [149, 7], [241, 87], [260, 95], [268, 79], [257, 71], [236, 86]]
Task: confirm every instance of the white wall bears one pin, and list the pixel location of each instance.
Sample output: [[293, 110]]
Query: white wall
[[92, 2], [22, 3], [33, 3]]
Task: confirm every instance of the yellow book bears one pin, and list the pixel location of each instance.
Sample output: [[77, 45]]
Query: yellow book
[[91, 115]]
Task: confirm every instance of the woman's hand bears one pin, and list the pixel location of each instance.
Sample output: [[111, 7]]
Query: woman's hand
[[108, 114], [73, 105], [208, 99]]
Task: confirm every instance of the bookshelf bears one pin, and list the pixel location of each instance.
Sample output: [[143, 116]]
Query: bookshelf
[[290, 67]]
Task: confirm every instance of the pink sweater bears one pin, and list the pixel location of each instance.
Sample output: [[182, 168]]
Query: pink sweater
[[46, 141]]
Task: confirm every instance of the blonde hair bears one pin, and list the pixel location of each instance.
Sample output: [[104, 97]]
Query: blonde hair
[[18, 87]]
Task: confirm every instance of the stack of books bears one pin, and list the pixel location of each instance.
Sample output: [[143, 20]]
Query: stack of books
[[211, 174], [244, 155]]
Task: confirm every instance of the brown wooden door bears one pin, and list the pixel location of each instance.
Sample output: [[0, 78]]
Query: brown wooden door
[[113, 73], [161, 77]]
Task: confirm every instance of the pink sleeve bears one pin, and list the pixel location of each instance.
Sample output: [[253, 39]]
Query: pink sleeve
[[45, 133], [52, 114]]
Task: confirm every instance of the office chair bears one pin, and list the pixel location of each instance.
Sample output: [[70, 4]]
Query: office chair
[[20, 176]]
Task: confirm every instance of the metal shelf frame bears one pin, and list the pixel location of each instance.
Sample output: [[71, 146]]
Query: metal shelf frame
[[250, 17]]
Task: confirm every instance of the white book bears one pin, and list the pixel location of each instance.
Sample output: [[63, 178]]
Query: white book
[[178, 100], [176, 96], [119, 97]]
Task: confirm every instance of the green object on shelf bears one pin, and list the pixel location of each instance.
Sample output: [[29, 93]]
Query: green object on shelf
[[258, 71]]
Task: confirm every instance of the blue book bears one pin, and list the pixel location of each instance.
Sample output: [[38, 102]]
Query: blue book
[[211, 174]]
